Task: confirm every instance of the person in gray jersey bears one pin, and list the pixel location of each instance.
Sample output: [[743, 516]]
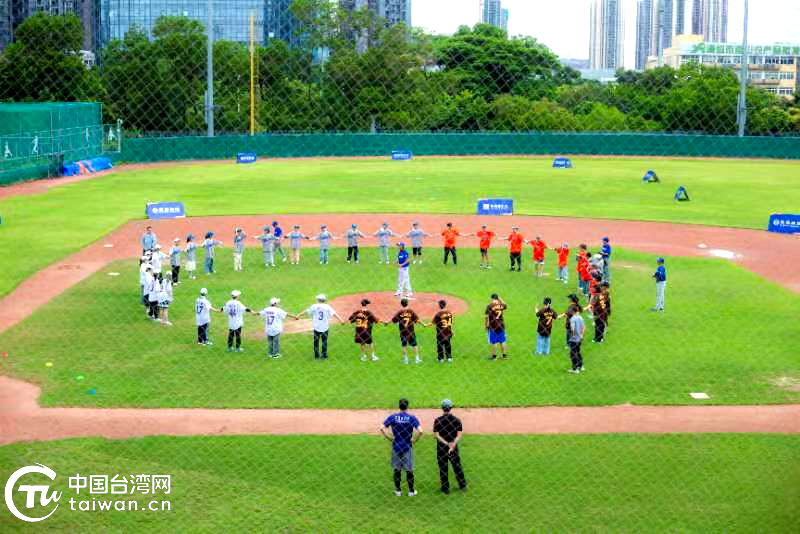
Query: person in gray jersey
[[295, 237], [191, 256], [209, 244], [175, 260], [324, 237], [268, 241], [416, 234], [352, 243], [383, 234], [238, 248]]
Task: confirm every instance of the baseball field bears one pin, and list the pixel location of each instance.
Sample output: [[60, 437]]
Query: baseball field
[[89, 385]]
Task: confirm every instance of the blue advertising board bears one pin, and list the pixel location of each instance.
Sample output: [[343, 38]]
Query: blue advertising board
[[562, 163], [165, 210], [496, 206], [401, 155], [784, 223], [246, 157]]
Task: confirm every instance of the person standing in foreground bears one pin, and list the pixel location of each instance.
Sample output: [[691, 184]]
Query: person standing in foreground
[[209, 244], [661, 284], [405, 432], [495, 325], [443, 321], [544, 329], [450, 235], [321, 314], [576, 330], [202, 314], [191, 256], [383, 234], [277, 231], [447, 429], [605, 251], [175, 260], [485, 241], [406, 318], [563, 258], [267, 246], [324, 237], [364, 319], [416, 234], [238, 248], [149, 240], [235, 311], [403, 275], [164, 299], [352, 243], [153, 294], [575, 302], [539, 247], [273, 326]]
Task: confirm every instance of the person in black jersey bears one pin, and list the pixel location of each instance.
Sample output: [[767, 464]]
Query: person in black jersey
[[447, 429]]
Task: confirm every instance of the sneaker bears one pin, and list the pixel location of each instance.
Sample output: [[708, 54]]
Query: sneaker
[[209, 343], [583, 368], [284, 260], [320, 263], [414, 262], [505, 356], [276, 356], [167, 323], [348, 261], [412, 493], [363, 357], [405, 360], [375, 358], [488, 266], [356, 261], [449, 360], [398, 493], [574, 371], [493, 358], [230, 349], [200, 343], [418, 360], [240, 349]]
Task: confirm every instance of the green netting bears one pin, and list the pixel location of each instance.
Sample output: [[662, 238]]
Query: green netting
[[25, 118], [348, 144]]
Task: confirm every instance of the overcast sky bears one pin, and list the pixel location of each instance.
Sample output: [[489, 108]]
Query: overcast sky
[[563, 25]]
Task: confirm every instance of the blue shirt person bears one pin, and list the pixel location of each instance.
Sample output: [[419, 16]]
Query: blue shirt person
[[403, 275], [149, 239], [404, 427], [277, 231], [605, 251], [209, 244], [661, 284]]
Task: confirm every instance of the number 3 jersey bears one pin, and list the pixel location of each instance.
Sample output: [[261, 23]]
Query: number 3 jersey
[[320, 316]]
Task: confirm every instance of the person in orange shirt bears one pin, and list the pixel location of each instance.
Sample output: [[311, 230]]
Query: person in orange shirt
[[515, 242], [539, 247], [485, 237], [450, 235], [563, 258], [583, 273]]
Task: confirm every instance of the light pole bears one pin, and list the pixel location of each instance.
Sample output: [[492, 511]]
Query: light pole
[[210, 69], [741, 118]]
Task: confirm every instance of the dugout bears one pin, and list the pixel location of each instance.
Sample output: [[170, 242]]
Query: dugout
[[37, 139]]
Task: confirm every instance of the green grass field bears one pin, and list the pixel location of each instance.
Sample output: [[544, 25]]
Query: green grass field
[[568, 483], [98, 330], [727, 193]]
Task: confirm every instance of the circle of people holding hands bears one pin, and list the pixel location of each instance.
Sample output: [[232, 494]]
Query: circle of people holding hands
[[593, 270]]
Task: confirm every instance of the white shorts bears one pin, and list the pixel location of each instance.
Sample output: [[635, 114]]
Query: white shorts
[[191, 265]]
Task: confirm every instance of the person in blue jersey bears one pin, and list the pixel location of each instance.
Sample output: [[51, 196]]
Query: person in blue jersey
[[277, 231], [605, 252], [209, 244], [661, 284], [405, 431], [403, 276]]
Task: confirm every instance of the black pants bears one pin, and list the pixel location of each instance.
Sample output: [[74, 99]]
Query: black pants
[[599, 328], [202, 333], [442, 458], [320, 336], [176, 272], [398, 478], [447, 252], [516, 257], [145, 298], [237, 335], [575, 355], [153, 311], [444, 349], [416, 251], [352, 253]]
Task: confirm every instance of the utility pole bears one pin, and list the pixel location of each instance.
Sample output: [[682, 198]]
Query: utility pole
[[743, 75], [210, 69]]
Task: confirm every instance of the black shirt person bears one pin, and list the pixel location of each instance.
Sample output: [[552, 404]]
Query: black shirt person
[[447, 430]]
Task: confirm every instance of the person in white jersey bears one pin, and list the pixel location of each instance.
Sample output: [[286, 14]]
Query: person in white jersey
[[273, 317], [321, 314], [202, 314], [235, 311]]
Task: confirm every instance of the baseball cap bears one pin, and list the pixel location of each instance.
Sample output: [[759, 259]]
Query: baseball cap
[[364, 302], [296, 226], [189, 237], [266, 227], [203, 291], [660, 260], [176, 240], [235, 293], [274, 300], [157, 247], [483, 226], [605, 239], [324, 226], [238, 229], [321, 297], [354, 225], [401, 244], [447, 404], [274, 223], [209, 234]]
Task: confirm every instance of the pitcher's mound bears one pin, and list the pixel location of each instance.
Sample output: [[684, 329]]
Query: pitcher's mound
[[384, 305]]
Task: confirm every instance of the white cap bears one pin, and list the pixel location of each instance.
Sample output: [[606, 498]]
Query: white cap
[[235, 293], [176, 240], [157, 247], [203, 291], [274, 300], [145, 258], [321, 298], [597, 257]]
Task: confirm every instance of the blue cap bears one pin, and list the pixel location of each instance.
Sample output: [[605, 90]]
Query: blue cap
[[209, 235], [354, 225], [189, 237], [605, 239], [447, 404], [274, 223], [660, 260], [401, 244]]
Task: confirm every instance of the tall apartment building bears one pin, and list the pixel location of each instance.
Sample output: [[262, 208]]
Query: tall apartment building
[[492, 12], [504, 20], [14, 12], [6, 34], [607, 34], [657, 22], [714, 20], [393, 11]]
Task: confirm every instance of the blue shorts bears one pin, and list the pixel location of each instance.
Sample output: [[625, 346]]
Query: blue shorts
[[496, 337]]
